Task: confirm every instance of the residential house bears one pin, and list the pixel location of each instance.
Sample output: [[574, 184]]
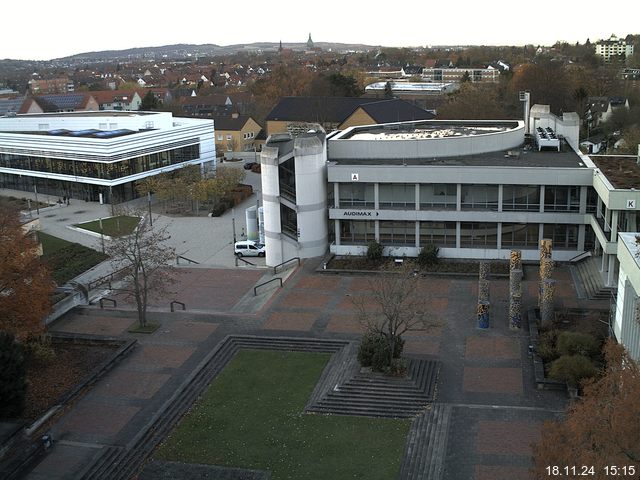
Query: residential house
[[612, 48], [126, 100], [600, 109], [295, 114], [50, 86], [71, 102], [236, 133]]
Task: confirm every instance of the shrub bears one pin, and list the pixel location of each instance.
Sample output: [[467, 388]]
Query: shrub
[[572, 369], [374, 251], [428, 256], [374, 350], [576, 343], [547, 345], [38, 349], [13, 383]]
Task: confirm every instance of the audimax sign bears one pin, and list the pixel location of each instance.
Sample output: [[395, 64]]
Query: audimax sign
[[360, 213]]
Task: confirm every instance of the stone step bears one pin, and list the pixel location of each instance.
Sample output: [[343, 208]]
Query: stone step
[[340, 368], [367, 411], [437, 444], [591, 278], [102, 464], [414, 447], [375, 402], [374, 391]]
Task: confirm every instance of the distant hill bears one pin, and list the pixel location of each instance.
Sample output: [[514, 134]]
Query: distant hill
[[190, 50]]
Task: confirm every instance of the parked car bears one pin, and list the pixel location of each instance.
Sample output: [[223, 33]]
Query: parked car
[[249, 165], [249, 248]]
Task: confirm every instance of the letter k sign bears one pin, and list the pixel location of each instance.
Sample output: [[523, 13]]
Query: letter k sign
[[631, 204]]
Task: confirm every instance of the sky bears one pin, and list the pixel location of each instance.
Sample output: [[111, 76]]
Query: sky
[[47, 29]]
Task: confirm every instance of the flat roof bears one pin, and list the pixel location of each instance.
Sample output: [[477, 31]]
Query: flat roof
[[623, 172], [99, 113], [427, 129], [517, 157]]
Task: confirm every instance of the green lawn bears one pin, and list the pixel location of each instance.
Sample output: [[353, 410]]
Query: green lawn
[[251, 417], [67, 260], [112, 226]]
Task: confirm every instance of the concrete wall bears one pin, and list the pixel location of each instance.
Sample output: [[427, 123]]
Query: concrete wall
[[460, 174], [271, 205], [311, 195]]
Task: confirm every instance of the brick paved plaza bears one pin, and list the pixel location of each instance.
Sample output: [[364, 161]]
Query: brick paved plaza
[[486, 375]]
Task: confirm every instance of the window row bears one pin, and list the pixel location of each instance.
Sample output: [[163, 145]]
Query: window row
[[444, 196], [108, 171], [444, 234]]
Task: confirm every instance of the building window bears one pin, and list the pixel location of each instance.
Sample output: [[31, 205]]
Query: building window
[[479, 197], [289, 221], [442, 234], [358, 232], [102, 170], [564, 237], [400, 196], [397, 233], [287, 177], [359, 195], [561, 198], [592, 200], [521, 198], [478, 235], [229, 137], [438, 196], [520, 235], [220, 137]]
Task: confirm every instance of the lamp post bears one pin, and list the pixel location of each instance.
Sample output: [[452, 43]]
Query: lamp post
[[35, 190], [149, 203], [233, 224]]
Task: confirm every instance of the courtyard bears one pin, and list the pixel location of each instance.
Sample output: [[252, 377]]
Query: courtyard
[[487, 406]]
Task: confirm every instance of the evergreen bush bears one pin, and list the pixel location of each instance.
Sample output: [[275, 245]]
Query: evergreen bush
[[577, 343], [572, 369], [374, 250], [428, 255], [374, 350]]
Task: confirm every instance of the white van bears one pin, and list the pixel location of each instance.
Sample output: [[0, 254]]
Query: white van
[[249, 248]]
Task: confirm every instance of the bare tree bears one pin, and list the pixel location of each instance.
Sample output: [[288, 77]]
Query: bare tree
[[395, 304], [144, 258]]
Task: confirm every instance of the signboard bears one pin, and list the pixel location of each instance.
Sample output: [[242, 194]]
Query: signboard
[[360, 213], [354, 177], [631, 204]]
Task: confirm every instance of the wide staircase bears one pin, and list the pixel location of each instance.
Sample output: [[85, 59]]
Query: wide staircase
[[377, 395], [588, 274], [426, 444]]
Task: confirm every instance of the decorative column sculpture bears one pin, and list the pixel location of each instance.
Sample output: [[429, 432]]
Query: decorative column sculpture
[[546, 265], [515, 291], [515, 260], [483, 314], [483, 295], [546, 307]]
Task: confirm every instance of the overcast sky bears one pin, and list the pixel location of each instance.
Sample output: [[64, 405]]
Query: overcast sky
[[45, 29]]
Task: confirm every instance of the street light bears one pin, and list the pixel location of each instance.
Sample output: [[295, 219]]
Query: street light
[[149, 202]]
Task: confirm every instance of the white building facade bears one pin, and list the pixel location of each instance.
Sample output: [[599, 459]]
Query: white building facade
[[99, 155], [626, 326], [613, 47], [294, 196]]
